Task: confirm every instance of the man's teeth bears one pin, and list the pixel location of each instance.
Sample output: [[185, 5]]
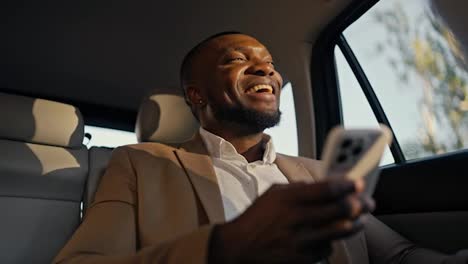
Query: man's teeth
[[261, 87]]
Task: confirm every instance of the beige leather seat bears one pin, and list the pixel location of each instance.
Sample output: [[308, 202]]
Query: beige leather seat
[[98, 159], [43, 168], [165, 118], [162, 118]]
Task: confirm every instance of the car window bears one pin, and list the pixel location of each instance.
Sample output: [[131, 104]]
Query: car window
[[106, 137], [416, 67], [355, 107], [285, 134]]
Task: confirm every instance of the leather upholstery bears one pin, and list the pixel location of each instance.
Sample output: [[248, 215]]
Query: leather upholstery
[[98, 159], [34, 230], [43, 169], [25, 173], [40, 121], [165, 118]]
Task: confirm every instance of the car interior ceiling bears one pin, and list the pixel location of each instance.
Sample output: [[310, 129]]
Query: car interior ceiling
[[103, 57]]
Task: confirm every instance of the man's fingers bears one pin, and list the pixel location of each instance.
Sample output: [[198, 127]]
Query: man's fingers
[[347, 208], [368, 203], [318, 192], [336, 230]]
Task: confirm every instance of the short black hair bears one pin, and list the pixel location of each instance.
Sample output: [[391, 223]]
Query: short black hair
[[187, 62]]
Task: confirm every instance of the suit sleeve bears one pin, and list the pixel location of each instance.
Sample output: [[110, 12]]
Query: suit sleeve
[[387, 246], [108, 233]]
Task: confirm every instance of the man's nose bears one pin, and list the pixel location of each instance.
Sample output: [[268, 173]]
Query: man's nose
[[261, 69]]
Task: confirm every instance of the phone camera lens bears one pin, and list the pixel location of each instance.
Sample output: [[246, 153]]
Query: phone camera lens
[[357, 150], [346, 143], [342, 158]]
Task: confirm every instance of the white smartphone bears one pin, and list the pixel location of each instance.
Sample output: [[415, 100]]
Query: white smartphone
[[355, 153]]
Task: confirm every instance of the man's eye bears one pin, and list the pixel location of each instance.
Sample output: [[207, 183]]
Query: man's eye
[[237, 59]]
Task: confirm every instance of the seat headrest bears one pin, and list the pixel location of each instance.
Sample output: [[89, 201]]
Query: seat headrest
[[165, 118], [40, 121]]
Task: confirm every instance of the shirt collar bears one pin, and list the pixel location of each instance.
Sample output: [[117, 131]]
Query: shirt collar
[[223, 149]]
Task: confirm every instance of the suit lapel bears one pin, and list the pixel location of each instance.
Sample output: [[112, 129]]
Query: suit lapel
[[194, 158], [196, 162]]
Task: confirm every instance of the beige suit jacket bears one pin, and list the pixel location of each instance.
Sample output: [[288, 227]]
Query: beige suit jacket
[[158, 204]]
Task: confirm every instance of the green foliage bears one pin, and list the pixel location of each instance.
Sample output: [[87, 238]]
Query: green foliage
[[428, 49]]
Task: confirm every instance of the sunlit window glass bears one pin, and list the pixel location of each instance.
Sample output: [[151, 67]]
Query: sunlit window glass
[[356, 110], [106, 137], [285, 134], [418, 70]]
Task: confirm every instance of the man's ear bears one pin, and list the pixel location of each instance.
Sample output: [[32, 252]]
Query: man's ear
[[194, 95]]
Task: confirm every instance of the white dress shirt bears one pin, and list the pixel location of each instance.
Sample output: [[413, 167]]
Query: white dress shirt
[[241, 182]]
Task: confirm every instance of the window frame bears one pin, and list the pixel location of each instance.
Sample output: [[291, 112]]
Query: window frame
[[370, 95], [398, 192], [325, 83]]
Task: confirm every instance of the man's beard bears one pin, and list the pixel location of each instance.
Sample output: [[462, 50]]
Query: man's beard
[[252, 121]]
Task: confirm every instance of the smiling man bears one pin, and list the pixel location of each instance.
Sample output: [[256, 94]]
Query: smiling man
[[231, 81], [226, 196]]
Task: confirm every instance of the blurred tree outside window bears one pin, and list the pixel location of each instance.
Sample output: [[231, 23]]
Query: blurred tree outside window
[[419, 72]]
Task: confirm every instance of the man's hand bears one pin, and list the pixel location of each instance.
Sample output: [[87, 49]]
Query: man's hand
[[293, 223]]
